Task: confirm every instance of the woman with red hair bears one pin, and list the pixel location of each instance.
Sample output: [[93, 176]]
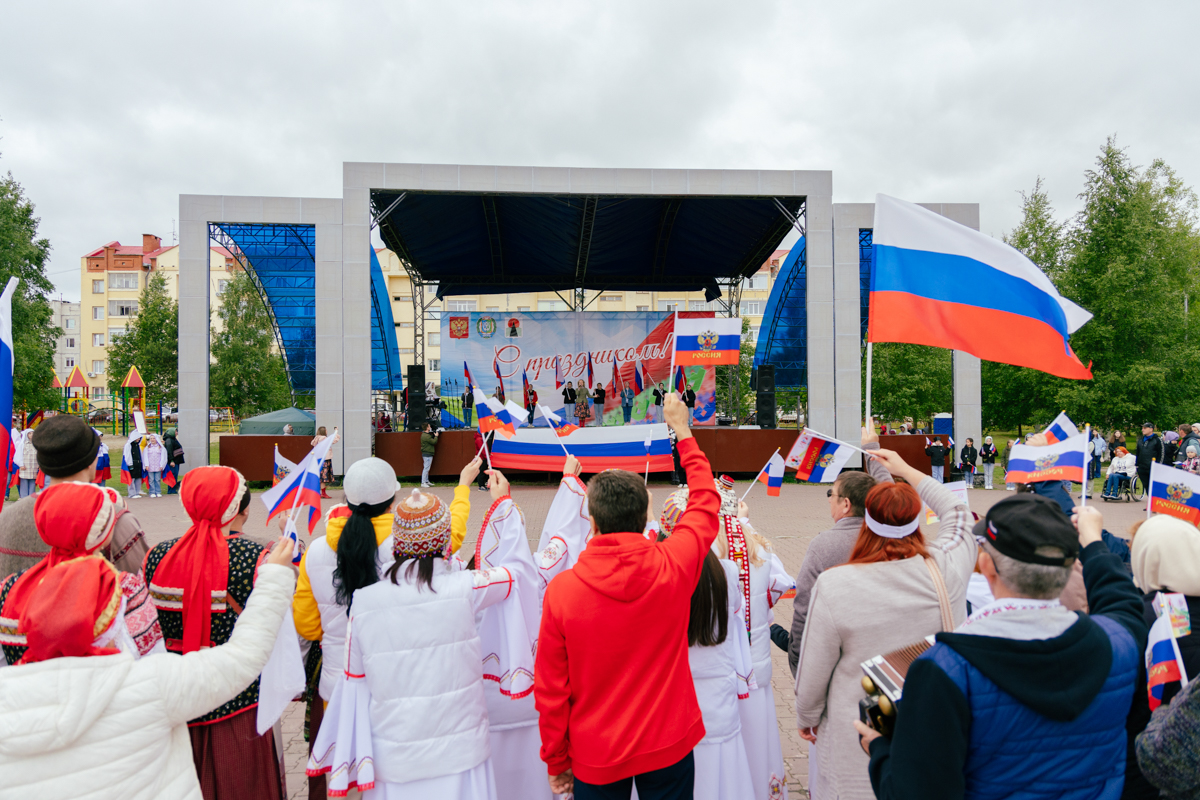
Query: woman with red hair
[[895, 590]]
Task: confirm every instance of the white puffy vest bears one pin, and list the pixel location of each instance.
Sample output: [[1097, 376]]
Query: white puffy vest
[[321, 561], [424, 668]]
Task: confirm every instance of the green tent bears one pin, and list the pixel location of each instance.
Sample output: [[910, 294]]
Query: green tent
[[303, 423]]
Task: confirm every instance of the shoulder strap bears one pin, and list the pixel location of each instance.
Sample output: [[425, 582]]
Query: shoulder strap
[[943, 596]]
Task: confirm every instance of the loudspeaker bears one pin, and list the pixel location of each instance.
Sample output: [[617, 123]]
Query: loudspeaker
[[766, 378], [764, 408], [416, 397]]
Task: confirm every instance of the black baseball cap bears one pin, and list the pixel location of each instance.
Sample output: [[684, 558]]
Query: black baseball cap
[[1031, 529]]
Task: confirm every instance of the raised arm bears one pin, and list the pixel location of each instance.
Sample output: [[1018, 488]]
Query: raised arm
[[954, 530], [697, 526], [870, 442], [567, 527]]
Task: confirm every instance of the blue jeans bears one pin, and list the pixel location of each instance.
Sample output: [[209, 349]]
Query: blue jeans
[[627, 412], [467, 416], [1113, 484], [154, 479], [937, 473], [26, 487]]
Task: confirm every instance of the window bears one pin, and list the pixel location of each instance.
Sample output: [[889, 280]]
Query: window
[[753, 334], [221, 285], [493, 308], [407, 350], [460, 305], [697, 305], [435, 365], [522, 308], [97, 340], [406, 324], [122, 308], [552, 305], [70, 341], [435, 340], [643, 308], [396, 298], [751, 308], [643, 293], [672, 305], [98, 287], [69, 362], [70, 324], [122, 280], [115, 333], [757, 283], [97, 312], [404, 298], [98, 367], [610, 298]]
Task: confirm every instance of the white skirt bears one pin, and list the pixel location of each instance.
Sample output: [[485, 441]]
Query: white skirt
[[723, 771], [760, 731], [520, 772], [477, 783]]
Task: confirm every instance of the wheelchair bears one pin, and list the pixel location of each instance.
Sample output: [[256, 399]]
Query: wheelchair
[[1129, 488]]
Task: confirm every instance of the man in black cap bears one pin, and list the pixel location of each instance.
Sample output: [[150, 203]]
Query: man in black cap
[[1149, 450], [1025, 698], [66, 451]]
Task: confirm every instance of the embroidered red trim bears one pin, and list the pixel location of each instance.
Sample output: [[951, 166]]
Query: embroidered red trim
[[486, 519], [736, 539]]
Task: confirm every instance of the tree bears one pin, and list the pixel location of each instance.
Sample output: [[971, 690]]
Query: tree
[[743, 401], [247, 376], [910, 380], [24, 255], [151, 343]]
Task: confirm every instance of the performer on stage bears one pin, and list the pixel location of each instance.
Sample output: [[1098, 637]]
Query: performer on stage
[[582, 411], [569, 398], [659, 393], [599, 396]]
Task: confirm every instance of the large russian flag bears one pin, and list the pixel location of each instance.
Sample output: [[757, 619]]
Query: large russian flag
[[1063, 461], [492, 418], [1175, 492], [705, 341], [615, 447], [7, 364], [817, 459], [936, 282]]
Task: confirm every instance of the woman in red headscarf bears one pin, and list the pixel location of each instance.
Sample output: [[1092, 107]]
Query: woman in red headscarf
[[200, 583], [79, 717], [77, 520]]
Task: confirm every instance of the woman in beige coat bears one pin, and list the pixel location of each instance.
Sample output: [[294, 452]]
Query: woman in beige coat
[[883, 599]]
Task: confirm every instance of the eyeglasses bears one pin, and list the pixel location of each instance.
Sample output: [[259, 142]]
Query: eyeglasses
[[829, 492]]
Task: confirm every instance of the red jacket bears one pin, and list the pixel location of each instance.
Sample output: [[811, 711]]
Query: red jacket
[[612, 684]]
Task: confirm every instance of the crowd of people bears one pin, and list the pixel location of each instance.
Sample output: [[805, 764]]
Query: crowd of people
[[631, 649]]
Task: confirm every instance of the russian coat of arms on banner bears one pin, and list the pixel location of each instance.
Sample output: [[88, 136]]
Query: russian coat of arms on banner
[[460, 327], [707, 340], [1046, 462], [1178, 492]]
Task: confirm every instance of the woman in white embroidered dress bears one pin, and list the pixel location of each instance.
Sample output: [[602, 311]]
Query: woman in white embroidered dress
[[410, 719]]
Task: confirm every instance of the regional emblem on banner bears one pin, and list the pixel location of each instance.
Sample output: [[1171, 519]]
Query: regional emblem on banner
[[707, 340], [1179, 493], [460, 327], [485, 327], [1046, 462]]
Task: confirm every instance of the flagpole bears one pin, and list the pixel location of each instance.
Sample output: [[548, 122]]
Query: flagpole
[[756, 477], [1087, 437], [674, 344], [870, 354]]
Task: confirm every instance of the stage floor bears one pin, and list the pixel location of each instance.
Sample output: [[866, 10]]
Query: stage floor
[[790, 521]]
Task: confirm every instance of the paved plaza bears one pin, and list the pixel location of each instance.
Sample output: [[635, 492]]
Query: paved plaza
[[791, 521]]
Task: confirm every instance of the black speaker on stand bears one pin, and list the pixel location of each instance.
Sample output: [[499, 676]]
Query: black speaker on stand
[[416, 398], [764, 405]]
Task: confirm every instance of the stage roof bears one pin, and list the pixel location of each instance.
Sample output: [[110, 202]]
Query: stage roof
[[480, 242]]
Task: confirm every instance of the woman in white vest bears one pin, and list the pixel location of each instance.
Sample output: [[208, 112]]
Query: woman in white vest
[[353, 553], [409, 717]]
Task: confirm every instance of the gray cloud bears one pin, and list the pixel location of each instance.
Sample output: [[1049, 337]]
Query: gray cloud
[[109, 111]]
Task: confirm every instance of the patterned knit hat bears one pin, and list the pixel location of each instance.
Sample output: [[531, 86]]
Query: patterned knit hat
[[421, 527], [677, 503]]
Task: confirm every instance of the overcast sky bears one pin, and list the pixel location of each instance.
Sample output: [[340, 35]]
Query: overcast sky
[[108, 111]]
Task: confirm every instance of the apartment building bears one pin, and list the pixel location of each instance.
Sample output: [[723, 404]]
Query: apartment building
[[66, 349], [111, 281], [755, 291]]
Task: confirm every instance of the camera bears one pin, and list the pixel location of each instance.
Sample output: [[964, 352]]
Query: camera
[[875, 710]]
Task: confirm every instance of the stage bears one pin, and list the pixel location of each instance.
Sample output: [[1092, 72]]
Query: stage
[[737, 451]]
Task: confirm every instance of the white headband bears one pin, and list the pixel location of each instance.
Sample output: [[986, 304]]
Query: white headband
[[892, 531]]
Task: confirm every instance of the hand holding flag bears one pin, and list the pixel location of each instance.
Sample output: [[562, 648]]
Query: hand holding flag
[[818, 458], [560, 426], [493, 416], [302, 487], [771, 475]]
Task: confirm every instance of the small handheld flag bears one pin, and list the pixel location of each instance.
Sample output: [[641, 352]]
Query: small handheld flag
[[1061, 429], [283, 468], [1175, 492], [772, 475], [493, 416], [639, 385], [518, 415], [558, 374], [707, 341], [289, 530], [589, 369], [816, 458], [1058, 462], [499, 379], [560, 426], [680, 380], [927, 442], [302, 487], [1164, 662]]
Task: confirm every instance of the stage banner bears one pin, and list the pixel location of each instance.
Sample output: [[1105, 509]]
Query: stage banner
[[500, 346]]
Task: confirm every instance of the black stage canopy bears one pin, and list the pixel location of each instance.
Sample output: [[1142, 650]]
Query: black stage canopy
[[490, 243]]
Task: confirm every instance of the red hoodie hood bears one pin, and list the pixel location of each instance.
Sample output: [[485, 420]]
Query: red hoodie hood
[[621, 566]]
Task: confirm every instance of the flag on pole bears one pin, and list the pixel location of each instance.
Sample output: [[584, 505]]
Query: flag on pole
[[772, 475], [638, 383], [525, 387], [1174, 492], [936, 282], [707, 341], [170, 475], [301, 488], [927, 442], [950, 441], [817, 459], [560, 426], [1061, 428], [617, 383], [589, 369], [493, 416], [558, 374], [1058, 462], [283, 468], [680, 380], [468, 378], [7, 365], [518, 415], [499, 380], [1164, 662]]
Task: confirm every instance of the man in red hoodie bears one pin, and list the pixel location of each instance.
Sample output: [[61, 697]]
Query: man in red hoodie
[[612, 684]]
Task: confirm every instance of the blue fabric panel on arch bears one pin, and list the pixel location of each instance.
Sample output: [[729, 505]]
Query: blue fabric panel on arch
[[783, 337], [385, 357]]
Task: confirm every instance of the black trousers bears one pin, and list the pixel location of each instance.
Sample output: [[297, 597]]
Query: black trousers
[[675, 782]]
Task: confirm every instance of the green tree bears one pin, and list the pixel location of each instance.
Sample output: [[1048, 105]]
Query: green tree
[[151, 343], [247, 376], [910, 380], [24, 255], [742, 402]]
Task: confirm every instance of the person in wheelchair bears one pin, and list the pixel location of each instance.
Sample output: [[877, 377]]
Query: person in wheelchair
[[1121, 470]]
